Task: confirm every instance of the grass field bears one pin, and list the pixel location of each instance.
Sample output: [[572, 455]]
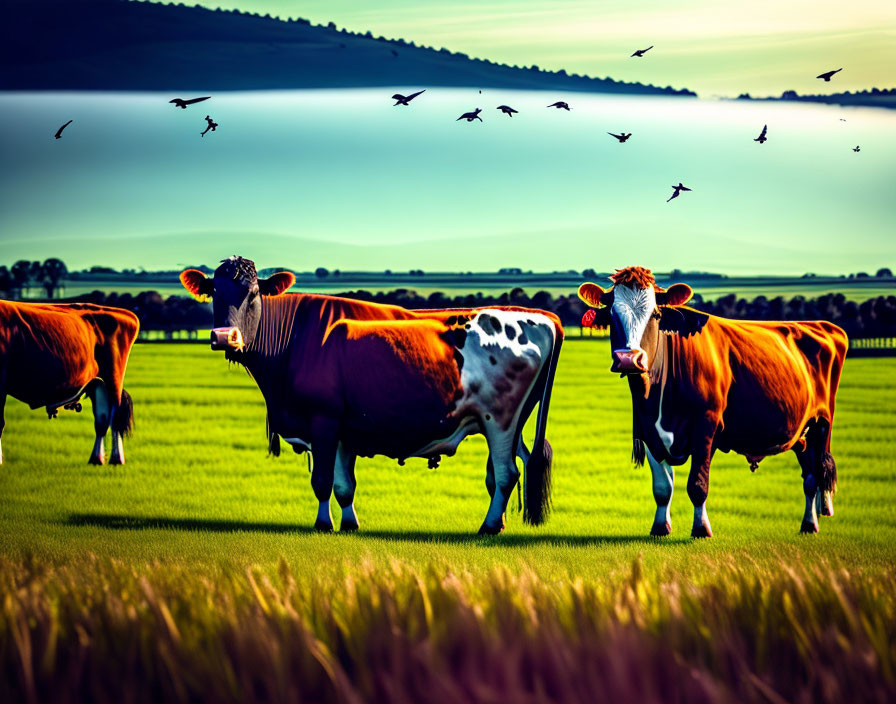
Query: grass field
[[199, 503]]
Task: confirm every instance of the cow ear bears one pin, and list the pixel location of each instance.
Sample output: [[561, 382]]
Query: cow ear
[[595, 296], [675, 295], [277, 283], [197, 283]]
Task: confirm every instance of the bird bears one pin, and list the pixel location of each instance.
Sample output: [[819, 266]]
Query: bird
[[762, 139], [857, 149], [470, 116], [827, 76], [640, 52], [212, 125], [59, 131], [621, 137], [406, 99], [182, 104], [842, 119], [678, 189], [560, 105], [507, 110]]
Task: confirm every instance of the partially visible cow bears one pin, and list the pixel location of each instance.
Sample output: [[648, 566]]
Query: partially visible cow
[[53, 354], [345, 378], [701, 383]]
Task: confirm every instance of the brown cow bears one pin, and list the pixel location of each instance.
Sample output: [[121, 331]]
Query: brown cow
[[700, 383], [52, 354], [347, 378]]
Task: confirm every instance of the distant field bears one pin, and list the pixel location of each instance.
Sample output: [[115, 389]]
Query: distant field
[[199, 503], [853, 291]]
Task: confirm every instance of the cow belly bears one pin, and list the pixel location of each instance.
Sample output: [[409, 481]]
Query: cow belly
[[400, 432]]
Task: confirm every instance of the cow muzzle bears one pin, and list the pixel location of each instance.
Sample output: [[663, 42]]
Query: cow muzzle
[[629, 362], [227, 339]]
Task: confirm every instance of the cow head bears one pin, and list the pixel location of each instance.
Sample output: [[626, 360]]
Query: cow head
[[633, 313], [235, 291]]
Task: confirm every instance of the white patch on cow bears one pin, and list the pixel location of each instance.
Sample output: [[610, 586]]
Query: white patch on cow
[[117, 456], [701, 518], [663, 485], [665, 437], [298, 442], [98, 456], [633, 307]]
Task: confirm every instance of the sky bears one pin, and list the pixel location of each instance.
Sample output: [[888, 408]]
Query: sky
[[715, 47]]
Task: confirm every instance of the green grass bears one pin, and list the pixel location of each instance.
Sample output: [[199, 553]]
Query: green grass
[[199, 489]]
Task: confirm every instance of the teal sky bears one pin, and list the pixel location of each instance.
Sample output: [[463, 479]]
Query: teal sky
[[715, 47]]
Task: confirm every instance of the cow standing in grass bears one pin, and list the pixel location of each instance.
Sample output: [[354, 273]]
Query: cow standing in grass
[[344, 378], [53, 354], [700, 383]]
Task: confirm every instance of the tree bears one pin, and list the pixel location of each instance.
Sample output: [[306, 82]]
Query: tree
[[5, 281], [884, 273], [321, 273], [52, 272], [20, 273]]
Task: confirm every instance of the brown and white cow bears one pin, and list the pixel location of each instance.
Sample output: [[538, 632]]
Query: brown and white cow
[[701, 383], [53, 354], [344, 378]]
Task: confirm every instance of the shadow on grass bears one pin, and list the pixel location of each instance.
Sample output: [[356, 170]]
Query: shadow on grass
[[508, 538]]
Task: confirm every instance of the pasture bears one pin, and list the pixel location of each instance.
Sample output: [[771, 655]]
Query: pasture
[[202, 525]]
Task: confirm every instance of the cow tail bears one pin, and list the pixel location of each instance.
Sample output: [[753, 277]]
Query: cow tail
[[537, 489], [123, 417]]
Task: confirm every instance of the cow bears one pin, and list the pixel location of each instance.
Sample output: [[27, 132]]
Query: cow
[[53, 354], [701, 383], [344, 378]]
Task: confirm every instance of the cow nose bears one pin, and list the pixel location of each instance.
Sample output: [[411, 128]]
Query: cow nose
[[227, 339], [629, 361]]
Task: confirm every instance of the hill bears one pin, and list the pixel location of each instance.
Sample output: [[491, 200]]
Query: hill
[[875, 98], [122, 45]]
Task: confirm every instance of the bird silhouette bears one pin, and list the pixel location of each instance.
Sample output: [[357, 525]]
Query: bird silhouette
[[182, 104], [640, 52], [212, 125], [827, 76], [857, 149], [678, 189], [406, 99], [470, 116], [762, 139], [507, 110], [560, 105], [621, 137], [59, 131]]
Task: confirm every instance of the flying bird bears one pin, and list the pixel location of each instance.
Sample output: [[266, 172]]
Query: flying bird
[[857, 149], [560, 105], [59, 131], [678, 189], [507, 110], [641, 52], [762, 139], [182, 104], [406, 99], [212, 125], [621, 137], [827, 76], [470, 116]]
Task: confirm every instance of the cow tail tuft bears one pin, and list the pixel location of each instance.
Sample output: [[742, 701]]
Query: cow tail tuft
[[828, 473], [123, 417], [639, 453]]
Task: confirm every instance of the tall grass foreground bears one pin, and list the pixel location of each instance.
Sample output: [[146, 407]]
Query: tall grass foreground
[[104, 631]]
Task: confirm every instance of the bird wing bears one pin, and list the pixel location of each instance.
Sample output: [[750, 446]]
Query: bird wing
[[826, 76], [414, 95], [684, 188], [59, 131], [617, 136], [649, 48], [764, 130], [196, 100]]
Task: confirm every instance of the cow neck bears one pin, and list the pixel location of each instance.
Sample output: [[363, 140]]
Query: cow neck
[[267, 358]]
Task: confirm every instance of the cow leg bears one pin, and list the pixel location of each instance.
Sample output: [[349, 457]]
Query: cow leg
[[324, 440], [102, 414], [344, 484], [501, 447], [663, 476], [522, 451], [807, 459], [698, 479]]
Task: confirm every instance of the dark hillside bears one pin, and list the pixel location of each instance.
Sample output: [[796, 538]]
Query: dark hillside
[[120, 45]]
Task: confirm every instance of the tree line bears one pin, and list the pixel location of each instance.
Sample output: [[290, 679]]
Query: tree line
[[873, 318], [24, 275]]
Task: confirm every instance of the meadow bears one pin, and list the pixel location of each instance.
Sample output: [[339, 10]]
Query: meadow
[[194, 566]]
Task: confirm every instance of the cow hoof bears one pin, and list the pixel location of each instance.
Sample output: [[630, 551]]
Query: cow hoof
[[348, 526], [661, 529], [489, 530], [809, 527], [323, 526], [116, 460], [98, 460], [701, 531]]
